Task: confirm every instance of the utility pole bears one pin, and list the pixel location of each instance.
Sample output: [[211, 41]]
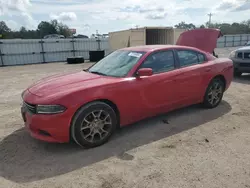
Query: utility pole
[[210, 16], [97, 34]]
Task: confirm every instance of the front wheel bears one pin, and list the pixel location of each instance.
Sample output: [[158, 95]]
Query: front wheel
[[214, 93], [93, 124]]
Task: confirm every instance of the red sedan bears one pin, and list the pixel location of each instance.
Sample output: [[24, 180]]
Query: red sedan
[[127, 86]]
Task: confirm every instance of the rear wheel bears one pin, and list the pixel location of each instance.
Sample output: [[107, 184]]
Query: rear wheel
[[93, 124], [214, 93]]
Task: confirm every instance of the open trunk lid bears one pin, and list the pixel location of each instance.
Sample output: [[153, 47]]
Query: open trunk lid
[[204, 39]]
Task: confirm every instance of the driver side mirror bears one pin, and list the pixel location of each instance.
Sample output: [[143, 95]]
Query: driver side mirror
[[144, 72]]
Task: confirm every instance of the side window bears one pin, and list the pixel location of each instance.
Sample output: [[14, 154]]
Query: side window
[[201, 58], [160, 61], [187, 57]]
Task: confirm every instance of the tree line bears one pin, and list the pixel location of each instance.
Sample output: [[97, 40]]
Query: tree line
[[44, 28], [54, 27], [226, 28]]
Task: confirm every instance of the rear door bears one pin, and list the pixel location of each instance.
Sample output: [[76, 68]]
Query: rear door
[[190, 79]]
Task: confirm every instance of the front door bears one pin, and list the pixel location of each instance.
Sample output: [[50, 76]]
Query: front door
[[159, 90]]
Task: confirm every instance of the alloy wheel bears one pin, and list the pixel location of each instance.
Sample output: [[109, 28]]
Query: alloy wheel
[[96, 126], [215, 93]]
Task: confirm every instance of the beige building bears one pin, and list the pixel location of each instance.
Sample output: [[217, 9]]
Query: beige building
[[143, 36]]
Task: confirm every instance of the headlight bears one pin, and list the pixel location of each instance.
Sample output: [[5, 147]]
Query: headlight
[[232, 54], [50, 109]]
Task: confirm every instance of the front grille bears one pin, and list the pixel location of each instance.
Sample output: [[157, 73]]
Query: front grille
[[246, 55], [30, 107], [244, 64], [239, 55]]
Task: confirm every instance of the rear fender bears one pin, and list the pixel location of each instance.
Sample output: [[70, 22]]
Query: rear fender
[[223, 67]]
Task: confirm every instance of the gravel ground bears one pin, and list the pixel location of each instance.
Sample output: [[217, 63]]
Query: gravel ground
[[191, 147]]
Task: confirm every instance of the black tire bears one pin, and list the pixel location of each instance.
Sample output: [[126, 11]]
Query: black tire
[[75, 60], [76, 128], [237, 73], [208, 98]]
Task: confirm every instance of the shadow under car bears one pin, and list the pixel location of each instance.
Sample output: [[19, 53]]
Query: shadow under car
[[24, 159]]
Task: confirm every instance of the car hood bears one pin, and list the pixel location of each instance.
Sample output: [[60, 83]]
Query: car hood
[[243, 48], [65, 83], [203, 39]]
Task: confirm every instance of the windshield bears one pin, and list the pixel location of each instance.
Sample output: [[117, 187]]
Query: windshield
[[117, 64]]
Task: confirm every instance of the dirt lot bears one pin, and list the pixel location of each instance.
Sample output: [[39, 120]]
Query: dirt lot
[[195, 148]]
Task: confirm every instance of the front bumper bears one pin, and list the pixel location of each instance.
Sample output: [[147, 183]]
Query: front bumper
[[48, 128], [241, 65]]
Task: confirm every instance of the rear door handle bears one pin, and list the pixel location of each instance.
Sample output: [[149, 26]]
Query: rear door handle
[[207, 69]]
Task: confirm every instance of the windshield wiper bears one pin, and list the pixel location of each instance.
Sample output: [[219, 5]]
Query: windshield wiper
[[96, 72]]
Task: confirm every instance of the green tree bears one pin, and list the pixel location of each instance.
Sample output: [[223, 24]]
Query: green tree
[[23, 30], [184, 25], [55, 24], [63, 30], [46, 28], [53, 27], [234, 28], [4, 29]]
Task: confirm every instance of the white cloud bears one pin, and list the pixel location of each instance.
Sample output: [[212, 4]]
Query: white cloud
[[14, 5], [85, 26], [64, 16], [28, 20], [108, 15], [20, 9], [13, 24], [156, 15]]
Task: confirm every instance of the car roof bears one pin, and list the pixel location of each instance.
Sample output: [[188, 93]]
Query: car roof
[[148, 48]]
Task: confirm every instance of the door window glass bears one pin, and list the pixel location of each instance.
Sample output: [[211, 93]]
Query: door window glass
[[160, 62], [187, 57]]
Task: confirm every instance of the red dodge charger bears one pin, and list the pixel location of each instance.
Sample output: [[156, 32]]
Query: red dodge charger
[[126, 86]]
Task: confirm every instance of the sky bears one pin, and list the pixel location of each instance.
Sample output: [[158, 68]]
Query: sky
[[87, 16]]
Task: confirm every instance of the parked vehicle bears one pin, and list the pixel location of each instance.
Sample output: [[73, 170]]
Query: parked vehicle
[[126, 86], [241, 60], [81, 36], [248, 43], [54, 36]]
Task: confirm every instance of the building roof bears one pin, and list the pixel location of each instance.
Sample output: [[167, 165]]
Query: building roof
[[147, 27], [147, 48]]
